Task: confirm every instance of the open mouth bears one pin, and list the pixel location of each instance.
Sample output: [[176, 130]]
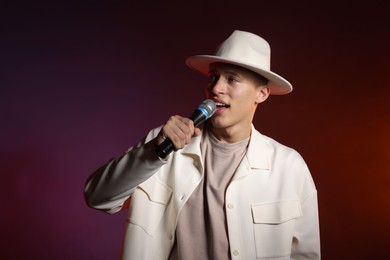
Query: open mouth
[[221, 105]]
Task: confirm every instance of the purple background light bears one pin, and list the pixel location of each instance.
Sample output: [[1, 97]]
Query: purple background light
[[82, 81]]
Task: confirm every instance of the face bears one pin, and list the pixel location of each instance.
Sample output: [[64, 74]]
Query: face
[[237, 92]]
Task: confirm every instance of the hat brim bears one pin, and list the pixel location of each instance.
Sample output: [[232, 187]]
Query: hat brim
[[277, 84]]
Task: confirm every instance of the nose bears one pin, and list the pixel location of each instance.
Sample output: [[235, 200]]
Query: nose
[[217, 87]]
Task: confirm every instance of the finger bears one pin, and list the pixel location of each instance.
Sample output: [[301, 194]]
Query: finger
[[187, 129], [180, 131], [171, 130]]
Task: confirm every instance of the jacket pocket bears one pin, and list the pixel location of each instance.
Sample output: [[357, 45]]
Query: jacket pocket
[[274, 226], [148, 204]]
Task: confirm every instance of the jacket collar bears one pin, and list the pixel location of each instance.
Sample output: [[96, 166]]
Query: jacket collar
[[258, 154]]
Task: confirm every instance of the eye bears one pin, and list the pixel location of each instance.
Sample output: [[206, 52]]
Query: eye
[[232, 79], [213, 78]]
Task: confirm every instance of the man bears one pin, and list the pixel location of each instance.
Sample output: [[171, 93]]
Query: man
[[227, 192]]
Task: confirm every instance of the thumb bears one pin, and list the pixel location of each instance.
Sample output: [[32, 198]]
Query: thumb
[[197, 131]]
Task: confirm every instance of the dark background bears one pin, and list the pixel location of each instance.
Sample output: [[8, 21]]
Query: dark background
[[82, 81]]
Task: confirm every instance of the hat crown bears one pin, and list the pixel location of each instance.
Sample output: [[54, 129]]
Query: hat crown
[[247, 48]]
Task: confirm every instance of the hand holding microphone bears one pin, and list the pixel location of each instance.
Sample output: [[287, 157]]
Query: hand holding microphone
[[178, 128]]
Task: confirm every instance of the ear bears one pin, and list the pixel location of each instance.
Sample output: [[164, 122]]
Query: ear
[[262, 94]]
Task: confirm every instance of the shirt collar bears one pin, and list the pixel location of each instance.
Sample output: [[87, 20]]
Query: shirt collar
[[258, 154]]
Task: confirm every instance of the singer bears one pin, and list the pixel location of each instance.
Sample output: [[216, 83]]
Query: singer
[[223, 190]]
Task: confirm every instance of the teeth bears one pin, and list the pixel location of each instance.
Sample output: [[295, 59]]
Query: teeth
[[219, 104]]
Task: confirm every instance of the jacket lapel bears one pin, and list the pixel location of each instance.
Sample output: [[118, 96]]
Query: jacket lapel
[[257, 157]]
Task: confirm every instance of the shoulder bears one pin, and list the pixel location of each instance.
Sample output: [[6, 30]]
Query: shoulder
[[279, 147], [286, 162], [277, 155], [273, 145]]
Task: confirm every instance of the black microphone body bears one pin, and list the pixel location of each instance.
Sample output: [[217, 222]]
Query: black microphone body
[[205, 110]]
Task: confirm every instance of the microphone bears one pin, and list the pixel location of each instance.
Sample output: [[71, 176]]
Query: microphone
[[205, 110]]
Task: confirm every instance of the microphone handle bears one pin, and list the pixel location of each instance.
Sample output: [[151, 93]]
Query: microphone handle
[[165, 148]]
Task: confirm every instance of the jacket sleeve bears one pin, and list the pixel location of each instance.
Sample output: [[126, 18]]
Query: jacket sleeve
[[306, 242], [112, 184]]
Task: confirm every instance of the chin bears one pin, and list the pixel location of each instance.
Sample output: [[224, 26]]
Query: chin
[[218, 123]]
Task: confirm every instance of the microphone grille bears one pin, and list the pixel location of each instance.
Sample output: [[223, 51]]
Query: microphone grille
[[209, 106]]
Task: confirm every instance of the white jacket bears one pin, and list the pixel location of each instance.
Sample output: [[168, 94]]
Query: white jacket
[[271, 202]]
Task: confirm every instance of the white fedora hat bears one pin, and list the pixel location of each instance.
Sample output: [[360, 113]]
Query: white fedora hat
[[246, 50]]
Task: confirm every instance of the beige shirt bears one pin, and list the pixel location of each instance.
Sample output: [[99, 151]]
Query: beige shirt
[[202, 229]]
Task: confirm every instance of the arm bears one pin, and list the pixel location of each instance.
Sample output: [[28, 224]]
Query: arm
[[306, 242], [112, 184]]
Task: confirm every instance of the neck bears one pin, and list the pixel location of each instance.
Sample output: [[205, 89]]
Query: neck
[[231, 135]]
